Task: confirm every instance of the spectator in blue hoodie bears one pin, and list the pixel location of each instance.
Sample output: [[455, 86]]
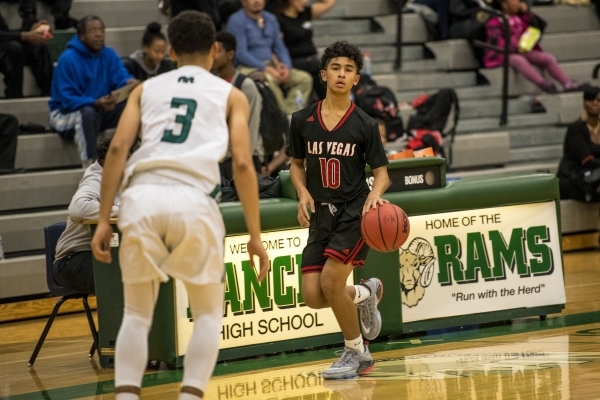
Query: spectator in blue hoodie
[[81, 105]]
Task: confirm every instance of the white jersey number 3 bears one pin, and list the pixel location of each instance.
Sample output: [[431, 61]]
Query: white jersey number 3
[[184, 120]]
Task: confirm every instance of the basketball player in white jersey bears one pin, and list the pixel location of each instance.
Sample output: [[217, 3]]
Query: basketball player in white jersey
[[170, 222]]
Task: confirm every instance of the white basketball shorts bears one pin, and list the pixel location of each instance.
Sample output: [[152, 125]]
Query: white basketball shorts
[[170, 230]]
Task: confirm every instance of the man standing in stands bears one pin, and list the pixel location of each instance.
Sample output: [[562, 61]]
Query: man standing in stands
[[261, 48], [24, 48], [223, 64], [81, 105]]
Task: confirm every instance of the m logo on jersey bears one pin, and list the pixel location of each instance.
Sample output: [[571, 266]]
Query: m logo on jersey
[[186, 79]]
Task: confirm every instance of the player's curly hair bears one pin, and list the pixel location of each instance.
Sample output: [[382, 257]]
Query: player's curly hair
[[342, 49], [191, 32]]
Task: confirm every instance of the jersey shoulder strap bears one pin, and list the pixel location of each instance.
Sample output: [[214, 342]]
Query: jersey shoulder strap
[[239, 80]]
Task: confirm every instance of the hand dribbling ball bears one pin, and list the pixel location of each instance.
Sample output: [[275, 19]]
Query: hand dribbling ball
[[385, 228]]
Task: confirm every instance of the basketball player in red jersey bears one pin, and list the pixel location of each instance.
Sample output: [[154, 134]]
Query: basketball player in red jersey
[[336, 140]]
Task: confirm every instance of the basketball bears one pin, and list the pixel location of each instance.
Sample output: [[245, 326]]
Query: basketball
[[385, 228]]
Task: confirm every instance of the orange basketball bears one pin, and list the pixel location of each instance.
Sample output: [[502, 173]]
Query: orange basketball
[[385, 228]]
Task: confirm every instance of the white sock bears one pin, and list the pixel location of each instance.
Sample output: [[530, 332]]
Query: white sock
[[362, 293], [128, 396], [356, 344], [188, 396]]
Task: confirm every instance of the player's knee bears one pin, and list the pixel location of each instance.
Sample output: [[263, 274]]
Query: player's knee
[[137, 319], [313, 298], [331, 286], [139, 315]]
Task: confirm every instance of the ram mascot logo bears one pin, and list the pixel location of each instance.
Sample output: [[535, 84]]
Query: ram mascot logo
[[416, 270]]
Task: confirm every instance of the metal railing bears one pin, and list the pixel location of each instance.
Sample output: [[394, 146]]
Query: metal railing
[[506, 52], [399, 6]]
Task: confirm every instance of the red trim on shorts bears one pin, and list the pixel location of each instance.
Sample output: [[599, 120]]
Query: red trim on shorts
[[335, 254], [358, 263], [312, 268], [355, 251]]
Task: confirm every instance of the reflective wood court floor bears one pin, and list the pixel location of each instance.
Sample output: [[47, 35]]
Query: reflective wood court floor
[[558, 358]]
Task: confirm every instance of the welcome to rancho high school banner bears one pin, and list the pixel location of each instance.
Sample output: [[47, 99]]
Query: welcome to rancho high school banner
[[483, 260], [261, 312]]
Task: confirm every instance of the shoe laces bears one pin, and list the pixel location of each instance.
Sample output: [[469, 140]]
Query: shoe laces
[[347, 355], [342, 353]]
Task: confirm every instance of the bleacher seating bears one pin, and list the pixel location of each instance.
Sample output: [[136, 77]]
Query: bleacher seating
[[529, 143]]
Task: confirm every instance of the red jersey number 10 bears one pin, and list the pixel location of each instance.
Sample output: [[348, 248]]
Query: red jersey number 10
[[330, 172]]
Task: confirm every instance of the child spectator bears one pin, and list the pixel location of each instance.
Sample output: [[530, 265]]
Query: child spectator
[[81, 105], [150, 60], [522, 60]]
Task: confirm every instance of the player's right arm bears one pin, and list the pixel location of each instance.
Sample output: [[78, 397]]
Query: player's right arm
[[244, 175]]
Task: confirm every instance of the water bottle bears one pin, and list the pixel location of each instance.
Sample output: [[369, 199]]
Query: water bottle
[[1, 249], [367, 69], [299, 100]]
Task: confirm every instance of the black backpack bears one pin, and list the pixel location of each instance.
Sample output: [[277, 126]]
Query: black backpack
[[273, 121], [440, 112], [379, 102]]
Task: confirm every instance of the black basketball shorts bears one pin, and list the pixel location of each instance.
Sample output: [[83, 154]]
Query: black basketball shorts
[[335, 232]]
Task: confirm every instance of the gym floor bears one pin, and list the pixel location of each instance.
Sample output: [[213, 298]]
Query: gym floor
[[558, 358]]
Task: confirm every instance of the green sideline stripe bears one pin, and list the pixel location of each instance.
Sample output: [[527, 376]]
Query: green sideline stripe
[[283, 360]]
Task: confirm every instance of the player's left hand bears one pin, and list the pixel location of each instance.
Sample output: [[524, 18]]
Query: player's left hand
[[256, 248], [101, 242], [372, 202]]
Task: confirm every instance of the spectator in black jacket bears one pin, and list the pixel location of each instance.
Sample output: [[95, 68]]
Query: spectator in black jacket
[[295, 18], [468, 22], [174, 7], [150, 60], [58, 8], [579, 169], [21, 48]]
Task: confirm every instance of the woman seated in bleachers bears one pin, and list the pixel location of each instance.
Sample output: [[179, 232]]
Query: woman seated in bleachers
[[525, 51], [295, 18], [579, 169], [150, 60]]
